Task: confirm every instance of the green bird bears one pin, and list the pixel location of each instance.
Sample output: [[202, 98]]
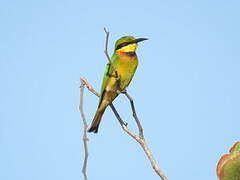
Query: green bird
[[228, 167], [125, 62]]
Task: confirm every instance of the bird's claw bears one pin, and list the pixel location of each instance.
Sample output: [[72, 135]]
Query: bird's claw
[[124, 124], [124, 91]]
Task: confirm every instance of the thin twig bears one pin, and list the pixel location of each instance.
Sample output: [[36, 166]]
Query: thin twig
[[108, 57], [89, 86], [140, 139], [134, 114], [85, 127], [106, 46], [118, 118], [145, 147]]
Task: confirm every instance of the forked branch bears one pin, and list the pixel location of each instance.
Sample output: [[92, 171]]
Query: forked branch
[[139, 138]]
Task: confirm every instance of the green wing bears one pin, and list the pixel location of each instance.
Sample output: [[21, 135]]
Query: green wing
[[105, 78], [108, 70]]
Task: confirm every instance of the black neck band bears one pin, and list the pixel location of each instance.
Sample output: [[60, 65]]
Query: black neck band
[[131, 53]]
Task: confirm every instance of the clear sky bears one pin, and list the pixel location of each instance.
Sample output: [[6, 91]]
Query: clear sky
[[186, 88]]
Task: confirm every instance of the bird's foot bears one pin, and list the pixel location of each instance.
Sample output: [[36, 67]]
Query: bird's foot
[[124, 91], [124, 124], [114, 76]]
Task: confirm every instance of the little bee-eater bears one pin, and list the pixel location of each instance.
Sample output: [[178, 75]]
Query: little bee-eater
[[124, 61]]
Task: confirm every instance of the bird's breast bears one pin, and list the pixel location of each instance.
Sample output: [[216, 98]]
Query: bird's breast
[[126, 67]]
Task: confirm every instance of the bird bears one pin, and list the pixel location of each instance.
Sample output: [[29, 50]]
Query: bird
[[228, 167], [117, 76]]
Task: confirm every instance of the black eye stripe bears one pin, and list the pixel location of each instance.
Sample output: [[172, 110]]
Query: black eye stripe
[[122, 45], [125, 44]]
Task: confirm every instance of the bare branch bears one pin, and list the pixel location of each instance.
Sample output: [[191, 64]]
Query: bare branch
[[134, 114], [85, 127], [118, 116], [106, 46], [140, 139], [89, 86], [107, 55], [84, 82]]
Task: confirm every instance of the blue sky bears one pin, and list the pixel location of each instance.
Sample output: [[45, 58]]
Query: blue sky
[[186, 87]]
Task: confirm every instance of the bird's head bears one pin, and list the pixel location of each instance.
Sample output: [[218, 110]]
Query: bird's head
[[128, 44]]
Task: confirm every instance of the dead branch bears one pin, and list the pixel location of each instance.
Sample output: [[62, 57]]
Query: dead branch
[[84, 83], [139, 138], [134, 113], [85, 127]]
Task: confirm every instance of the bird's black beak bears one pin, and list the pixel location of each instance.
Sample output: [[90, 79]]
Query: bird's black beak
[[139, 40]]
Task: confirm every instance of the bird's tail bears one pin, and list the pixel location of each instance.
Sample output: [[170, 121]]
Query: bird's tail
[[96, 120]]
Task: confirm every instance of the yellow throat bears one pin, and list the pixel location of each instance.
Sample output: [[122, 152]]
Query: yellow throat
[[128, 48]]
